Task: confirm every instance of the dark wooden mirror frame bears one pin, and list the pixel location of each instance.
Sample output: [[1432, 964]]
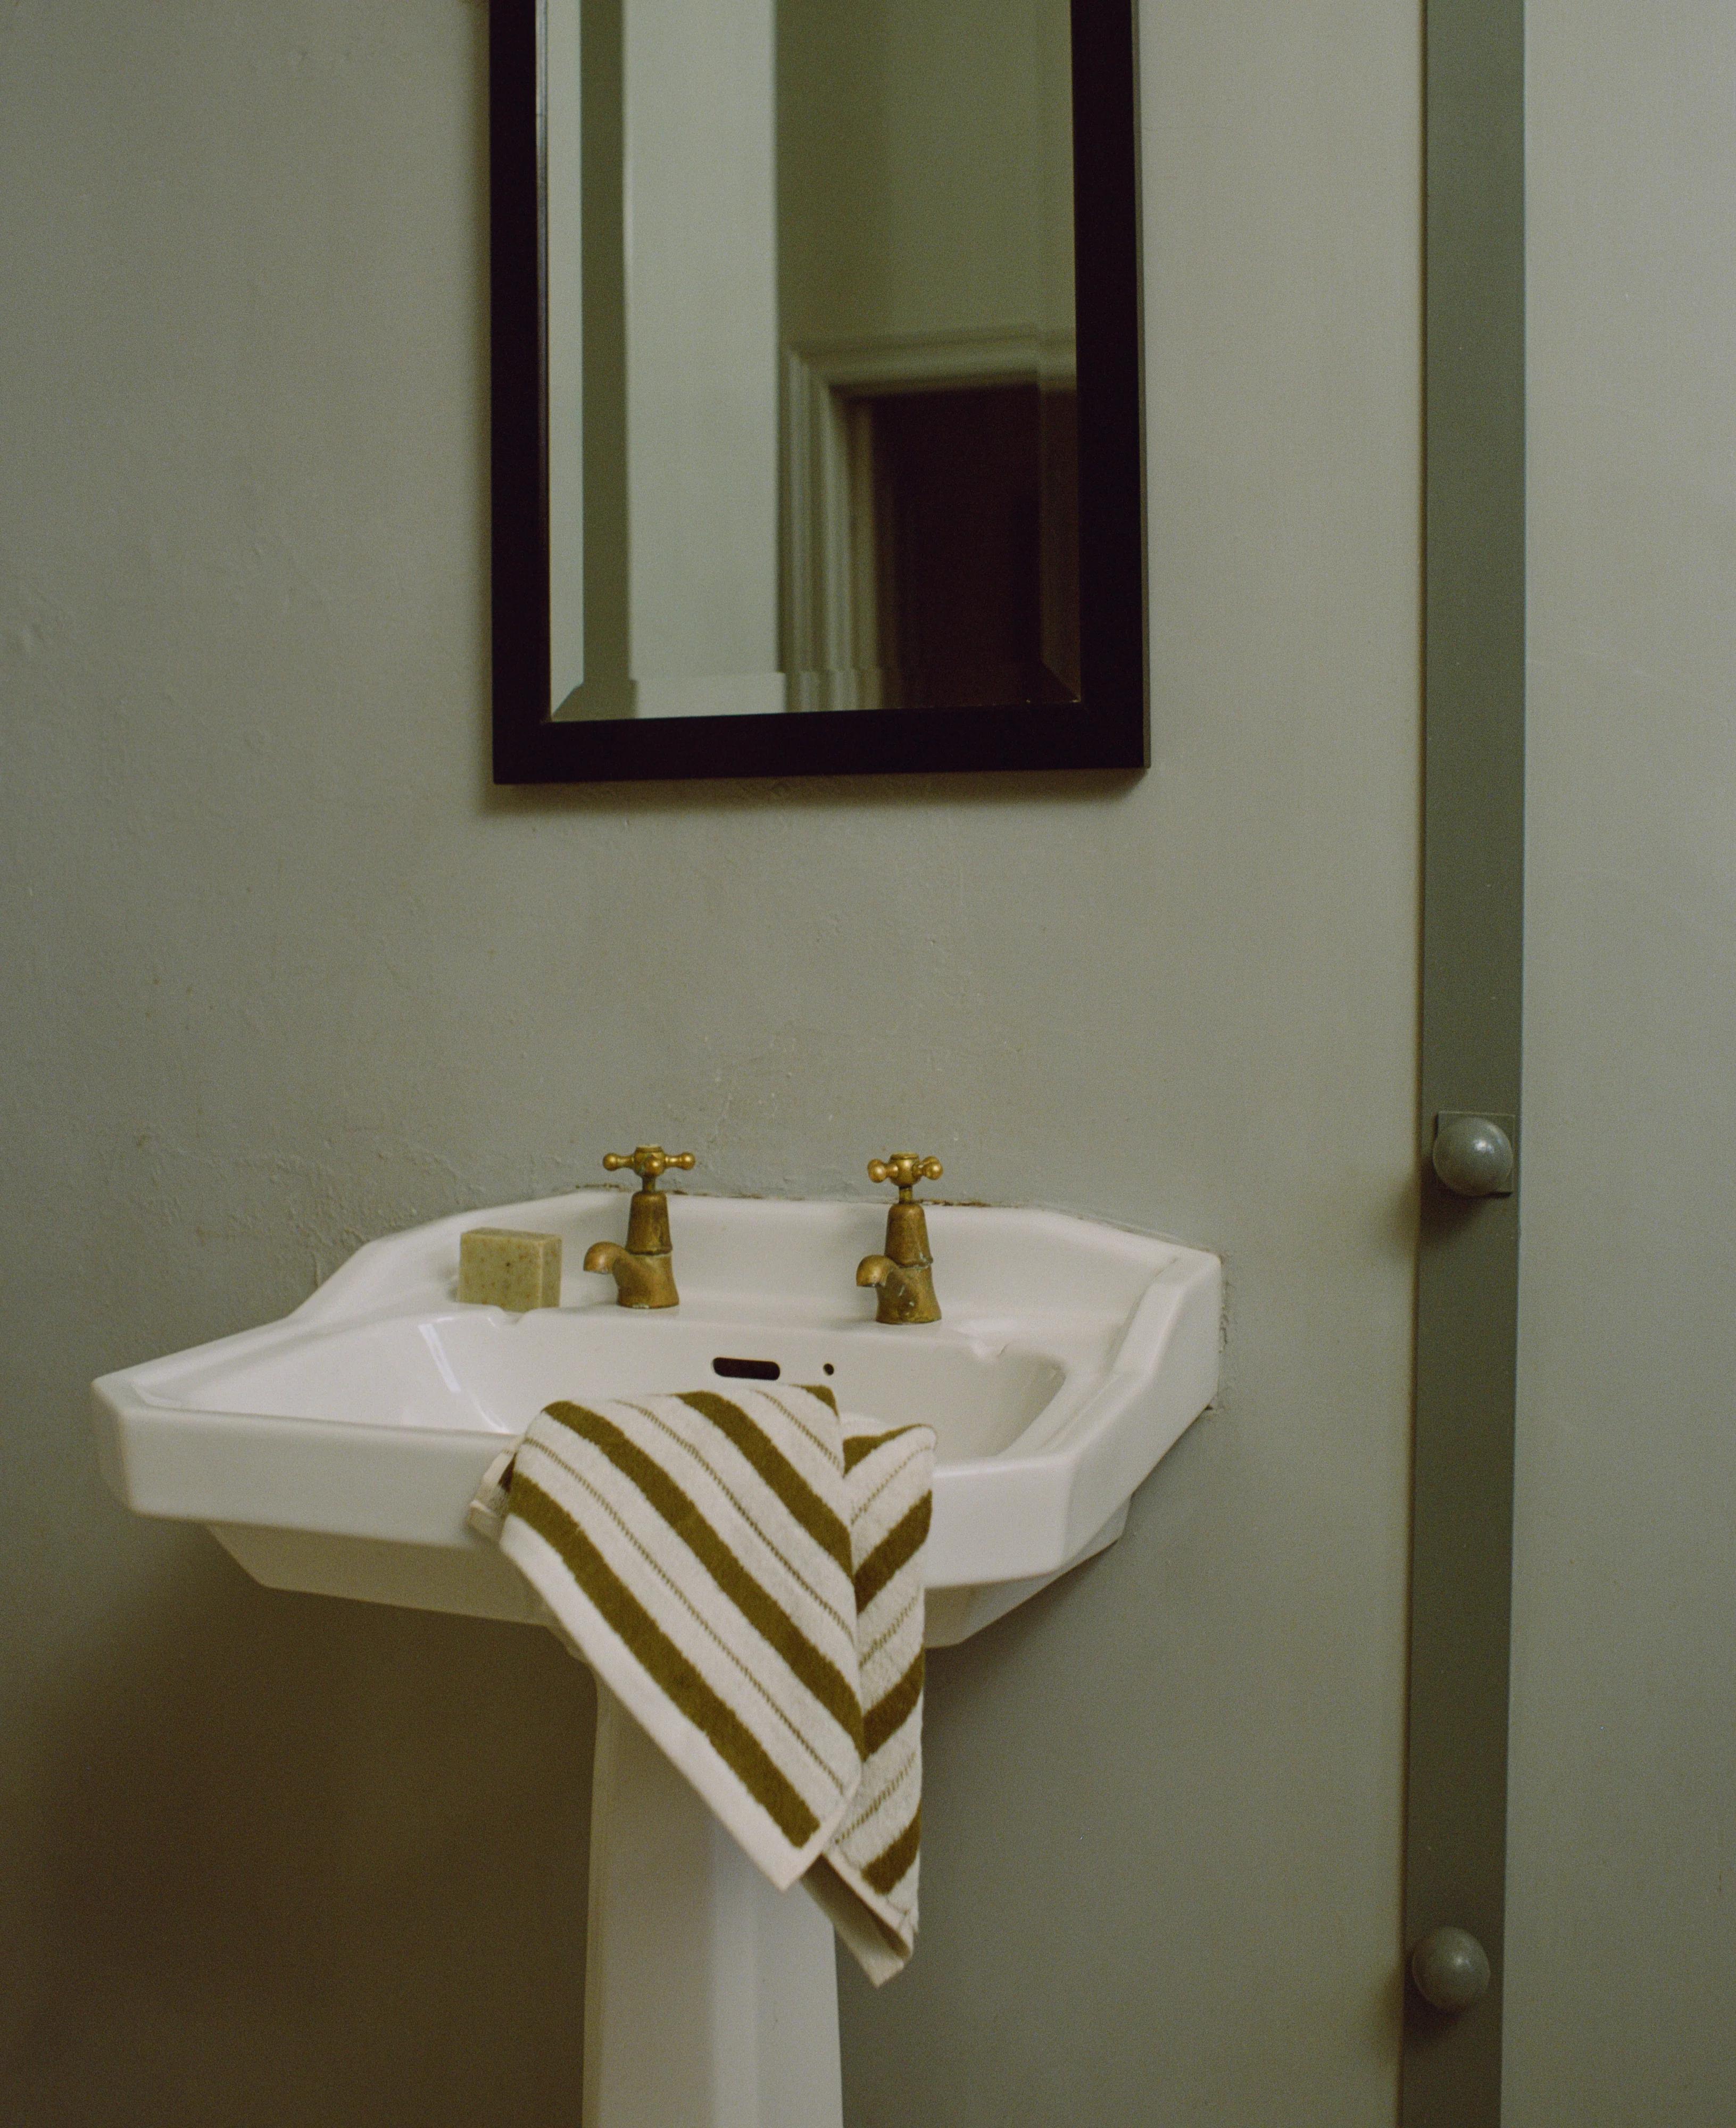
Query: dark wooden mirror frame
[[1108, 728]]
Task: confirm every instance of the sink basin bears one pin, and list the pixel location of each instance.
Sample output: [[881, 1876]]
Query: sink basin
[[337, 1450]]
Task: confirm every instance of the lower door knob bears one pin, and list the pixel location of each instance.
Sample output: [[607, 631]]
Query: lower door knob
[[1451, 1969]]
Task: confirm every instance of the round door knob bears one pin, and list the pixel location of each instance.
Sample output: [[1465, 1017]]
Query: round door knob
[[1451, 1969], [1473, 1156]]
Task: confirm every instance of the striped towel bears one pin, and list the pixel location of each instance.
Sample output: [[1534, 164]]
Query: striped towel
[[744, 1573]]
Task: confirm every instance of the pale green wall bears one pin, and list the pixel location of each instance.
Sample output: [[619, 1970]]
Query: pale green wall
[[925, 168], [1621, 1938], [284, 973]]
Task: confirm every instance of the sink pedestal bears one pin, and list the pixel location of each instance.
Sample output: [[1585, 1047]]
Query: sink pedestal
[[711, 1999]]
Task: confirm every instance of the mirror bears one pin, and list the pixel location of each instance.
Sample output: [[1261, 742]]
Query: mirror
[[816, 420]]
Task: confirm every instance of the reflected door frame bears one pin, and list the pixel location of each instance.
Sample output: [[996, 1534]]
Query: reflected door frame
[[831, 622]]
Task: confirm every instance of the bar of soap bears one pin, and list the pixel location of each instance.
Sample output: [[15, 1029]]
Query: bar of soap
[[499, 1268]]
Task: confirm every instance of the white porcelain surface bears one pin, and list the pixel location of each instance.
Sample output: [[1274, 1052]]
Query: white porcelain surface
[[336, 1450], [710, 1998]]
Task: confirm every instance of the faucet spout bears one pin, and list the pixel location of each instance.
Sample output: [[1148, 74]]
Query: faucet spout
[[907, 1290], [641, 1280]]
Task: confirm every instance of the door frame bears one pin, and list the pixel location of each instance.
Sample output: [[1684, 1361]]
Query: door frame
[[1474, 856]]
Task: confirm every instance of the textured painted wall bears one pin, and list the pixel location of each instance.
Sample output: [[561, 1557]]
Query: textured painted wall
[[1622, 1885], [282, 973]]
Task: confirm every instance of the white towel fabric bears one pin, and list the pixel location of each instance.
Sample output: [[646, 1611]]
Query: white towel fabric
[[744, 1573]]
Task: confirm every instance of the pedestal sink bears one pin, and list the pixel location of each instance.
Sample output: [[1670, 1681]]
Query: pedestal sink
[[337, 1450]]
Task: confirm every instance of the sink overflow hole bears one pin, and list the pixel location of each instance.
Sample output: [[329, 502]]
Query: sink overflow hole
[[747, 1371]]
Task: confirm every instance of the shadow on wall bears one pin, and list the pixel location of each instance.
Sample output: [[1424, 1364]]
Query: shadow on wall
[[304, 1860]]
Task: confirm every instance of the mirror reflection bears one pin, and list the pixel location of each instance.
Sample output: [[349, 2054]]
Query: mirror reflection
[[813, 433]]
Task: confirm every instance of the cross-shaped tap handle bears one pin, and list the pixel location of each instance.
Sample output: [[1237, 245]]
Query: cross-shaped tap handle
[[648, 1162], [906, 1170]]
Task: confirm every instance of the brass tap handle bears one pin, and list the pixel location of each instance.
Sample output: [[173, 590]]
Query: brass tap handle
[[906, 1170], [648, 1162]]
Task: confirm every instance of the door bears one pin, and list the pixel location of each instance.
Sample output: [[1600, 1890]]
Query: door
[[1621, 1923], [1599, 374]]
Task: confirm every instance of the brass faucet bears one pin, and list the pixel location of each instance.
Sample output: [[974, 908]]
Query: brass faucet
[[904, 1274], [643, 1271]]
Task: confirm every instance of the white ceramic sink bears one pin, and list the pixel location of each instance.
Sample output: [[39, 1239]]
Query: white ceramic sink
[[337, 1450]]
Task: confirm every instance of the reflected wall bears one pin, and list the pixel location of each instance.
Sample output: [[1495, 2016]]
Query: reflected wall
[[812, 415]]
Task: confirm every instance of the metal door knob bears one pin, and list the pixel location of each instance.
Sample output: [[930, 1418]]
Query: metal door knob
[[1451, 1969], [1473, 1156]]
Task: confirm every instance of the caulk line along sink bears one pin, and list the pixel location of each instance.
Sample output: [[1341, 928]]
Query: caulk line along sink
[[337, 1450]]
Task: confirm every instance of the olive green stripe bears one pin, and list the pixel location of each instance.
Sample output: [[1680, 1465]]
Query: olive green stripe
[[888, 1715], [888, 1479], [891, 1632], [899, 1545], [911, 1770], [546, 1449], [830, 1442], [892, 1865], [858, 1446], [756, 1604], [663, 1663], [677, 1439], [778, 1472]]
